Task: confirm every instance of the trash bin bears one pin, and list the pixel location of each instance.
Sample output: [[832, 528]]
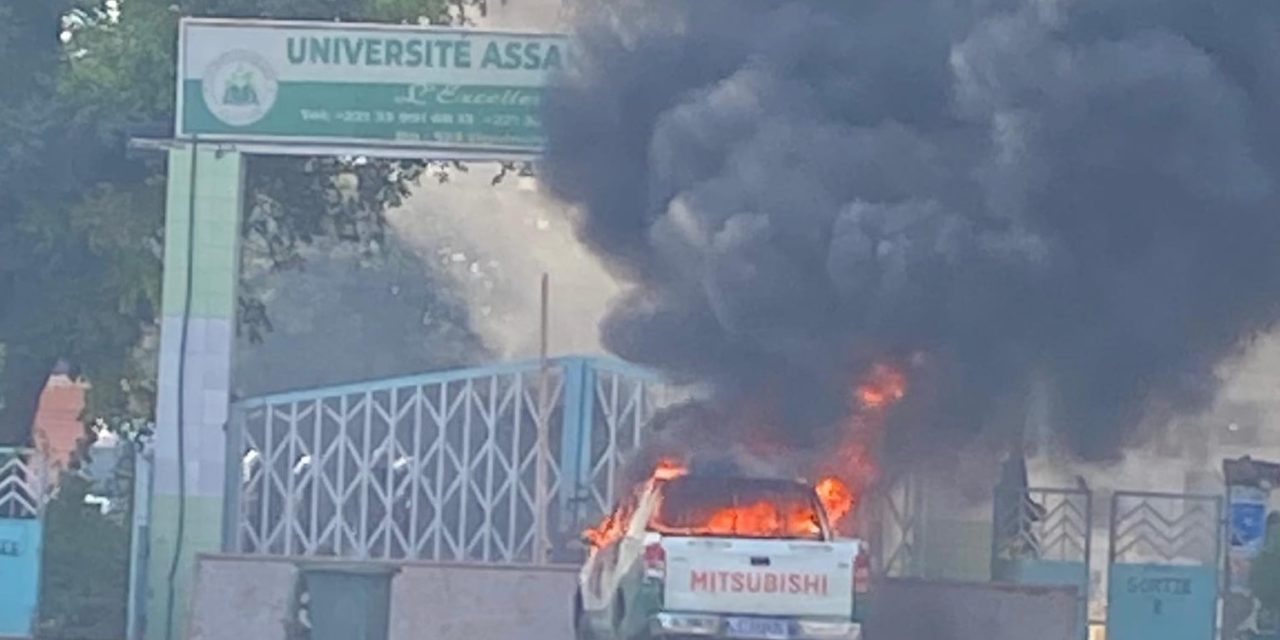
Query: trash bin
[[347, 601]]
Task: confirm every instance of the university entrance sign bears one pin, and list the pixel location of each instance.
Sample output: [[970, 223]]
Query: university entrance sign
[[297, 88], [294, 87]]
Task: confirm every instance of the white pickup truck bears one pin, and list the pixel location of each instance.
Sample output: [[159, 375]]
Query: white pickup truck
[[719, 557]]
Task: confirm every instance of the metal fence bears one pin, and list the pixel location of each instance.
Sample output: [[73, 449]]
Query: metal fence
[[1175, 529], [1044, 536], [895, 527], [1050, 525], [441, 466]]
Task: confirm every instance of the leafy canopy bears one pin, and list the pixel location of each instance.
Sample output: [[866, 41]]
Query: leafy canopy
[[81, 217]]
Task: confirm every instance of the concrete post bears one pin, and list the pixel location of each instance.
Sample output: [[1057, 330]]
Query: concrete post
[[201, 259]]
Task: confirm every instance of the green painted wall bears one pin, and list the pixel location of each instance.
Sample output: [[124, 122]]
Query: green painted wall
[[957, 549], [203, 534], [218, 205]]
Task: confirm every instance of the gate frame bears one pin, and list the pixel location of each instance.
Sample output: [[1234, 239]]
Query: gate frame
[[26, 500], [1076, 521], [898, 529]]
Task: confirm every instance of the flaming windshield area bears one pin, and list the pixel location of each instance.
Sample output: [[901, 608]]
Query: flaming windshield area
[[778, 509], [736, 507], [615, 524]]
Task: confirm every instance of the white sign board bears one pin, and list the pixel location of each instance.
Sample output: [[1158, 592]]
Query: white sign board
[[299, 86]]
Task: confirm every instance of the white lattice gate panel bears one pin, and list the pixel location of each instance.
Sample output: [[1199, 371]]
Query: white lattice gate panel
[[1165, 528], [22, 481], [438, 467], [621, 404], [1043, 524]]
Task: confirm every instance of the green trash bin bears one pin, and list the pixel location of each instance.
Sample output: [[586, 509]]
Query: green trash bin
[[347, 601]]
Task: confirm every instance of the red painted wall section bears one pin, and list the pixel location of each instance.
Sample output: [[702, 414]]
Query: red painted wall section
[[58, 424]]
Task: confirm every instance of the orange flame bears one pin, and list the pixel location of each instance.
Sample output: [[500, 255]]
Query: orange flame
[[607, 531], [761, 519], [614, 525], [668, 469], [836, 498], [884, 387], [853, 464]]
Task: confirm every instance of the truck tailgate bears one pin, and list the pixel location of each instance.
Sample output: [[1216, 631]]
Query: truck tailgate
[[759, 576]]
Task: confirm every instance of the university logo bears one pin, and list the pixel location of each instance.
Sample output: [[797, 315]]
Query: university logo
[[239, 88]]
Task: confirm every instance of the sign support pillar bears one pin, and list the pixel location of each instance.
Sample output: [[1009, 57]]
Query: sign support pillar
[[197, 332]]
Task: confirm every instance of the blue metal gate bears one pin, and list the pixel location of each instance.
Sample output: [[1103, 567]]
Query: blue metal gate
[[1043, 537], [21, 491], [1163, 569]]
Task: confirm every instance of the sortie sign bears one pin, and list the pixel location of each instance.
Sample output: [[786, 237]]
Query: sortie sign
[[293, 86], [1170, 602]]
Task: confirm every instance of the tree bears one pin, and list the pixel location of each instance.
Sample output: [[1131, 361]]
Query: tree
[[84, 573], [25, 28], [81, 218], [1265, 574]]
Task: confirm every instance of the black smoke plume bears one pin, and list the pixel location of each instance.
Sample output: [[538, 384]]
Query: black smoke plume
[[1082, 192]]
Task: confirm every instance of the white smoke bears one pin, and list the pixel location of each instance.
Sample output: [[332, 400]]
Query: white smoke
[[496, 241]]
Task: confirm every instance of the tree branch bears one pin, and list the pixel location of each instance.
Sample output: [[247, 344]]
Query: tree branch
[[25, 376]]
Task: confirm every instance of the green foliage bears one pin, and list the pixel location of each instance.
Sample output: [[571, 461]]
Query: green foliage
[[81, 217], [84, 578], [1265, 576]]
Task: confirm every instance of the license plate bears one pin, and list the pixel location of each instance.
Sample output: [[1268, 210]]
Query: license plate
[[758, 628]]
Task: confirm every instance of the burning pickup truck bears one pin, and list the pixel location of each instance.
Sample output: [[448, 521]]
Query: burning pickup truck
[[720, 557]]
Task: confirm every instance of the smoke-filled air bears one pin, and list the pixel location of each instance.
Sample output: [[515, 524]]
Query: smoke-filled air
[[977, 196]]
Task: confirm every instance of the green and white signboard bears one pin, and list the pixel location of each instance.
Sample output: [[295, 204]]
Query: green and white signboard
[[315, 87]]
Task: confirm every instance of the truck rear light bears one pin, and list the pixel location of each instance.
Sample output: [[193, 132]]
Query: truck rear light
[[655, 561], [861, 571]]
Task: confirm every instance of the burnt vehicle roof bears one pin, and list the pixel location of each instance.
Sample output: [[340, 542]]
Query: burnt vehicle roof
[[738, 481]]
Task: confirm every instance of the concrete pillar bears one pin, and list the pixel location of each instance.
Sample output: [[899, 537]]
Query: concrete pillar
[[201, 230]]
